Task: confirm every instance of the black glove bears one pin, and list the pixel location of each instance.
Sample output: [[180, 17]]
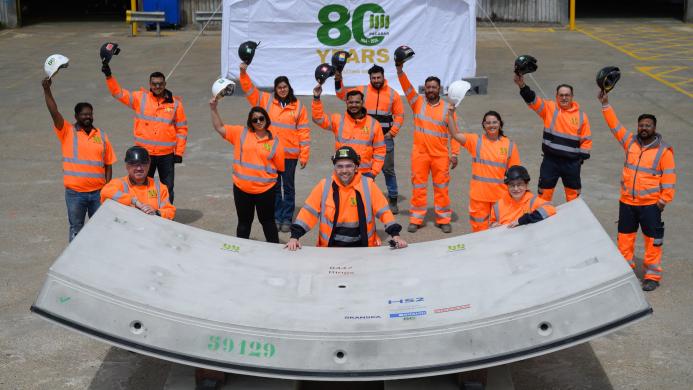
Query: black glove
[[177, 159], [106, 70]]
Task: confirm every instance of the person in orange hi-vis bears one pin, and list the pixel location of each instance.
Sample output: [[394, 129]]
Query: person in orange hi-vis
[[354, 128], [433, 151], [492, 154], [518, 206], [567, 139], [384, 104], [290, 123], [345, 205], [648, 182], [257, 160], [160, 124], [137, 189], [87, 159]]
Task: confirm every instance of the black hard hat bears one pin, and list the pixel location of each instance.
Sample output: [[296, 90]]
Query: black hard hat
[[108, 50], [403, 54], [346, 152], [246, 51], [136, 155], [608, 77], [525, 64], [339, 59], [323, 72], [516, 172]]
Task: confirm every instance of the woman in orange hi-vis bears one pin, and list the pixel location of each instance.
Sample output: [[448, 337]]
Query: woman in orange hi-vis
[[492, 154], [257, 160]]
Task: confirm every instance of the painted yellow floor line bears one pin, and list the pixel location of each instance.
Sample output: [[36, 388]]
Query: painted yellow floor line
[[615, 46], [647, 70]]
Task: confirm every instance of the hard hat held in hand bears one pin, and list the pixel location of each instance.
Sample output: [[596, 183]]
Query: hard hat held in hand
[[458, 90], [403, 54], [608, 77], [323, 72], [54, 63], [525, 64], [246, 51], [223, 87], [107, 51], [339, 60]]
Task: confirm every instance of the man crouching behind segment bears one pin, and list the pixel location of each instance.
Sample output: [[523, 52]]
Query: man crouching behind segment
[[519, 206], [345, 205], [138, 190]]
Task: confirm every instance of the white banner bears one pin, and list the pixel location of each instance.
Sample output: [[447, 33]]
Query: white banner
[[297, 35]]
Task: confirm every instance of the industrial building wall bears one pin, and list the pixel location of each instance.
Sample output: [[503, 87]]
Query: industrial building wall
[[8, 13], [188, 7], [530, 11]]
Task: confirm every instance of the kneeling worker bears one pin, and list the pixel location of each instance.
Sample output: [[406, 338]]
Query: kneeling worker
[[137, 189], [345, 204], [519, 206]]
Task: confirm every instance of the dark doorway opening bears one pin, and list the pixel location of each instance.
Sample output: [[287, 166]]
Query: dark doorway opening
[[37, 11], [630, 8]]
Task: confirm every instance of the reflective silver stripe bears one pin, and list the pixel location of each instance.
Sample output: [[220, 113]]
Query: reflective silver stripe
[[378, 157], [132, 104], [531, 202], [269, 103], [157, 143], [489, 162], [302, 224], [409, 90], [667, 186], [633, 138], [658, 157], [378, 144], [444, 208], [617, 128], [84, 174], [323, 200], [421, 185], [543, 212], [340, 129], [365, 165], [372, 112], [283, 125], [84, 162], [487, 179], [541, 107], [181, 136], [367, 196], [324, 236], [390, 101], [565, 148], [255, 166], [581, 121], [441, 185], [653, 272], [158, 192], [382, 211], [250, 91], [562, 135], [371, 128], [291, 150], [274, 148], [311, 210], [255, 178], [243, 135], [511, 145], [642, 169], [658, 241], [180, 124], [354, 141], [348, 224], [118, 195], [339, 237], [417, 215], [553, 121], [385, 125], [431, 132], [126, 187], [669, 171], [171, 121], [475, 219], [304, 143], [496, 212], [118, 95], [429, 119]]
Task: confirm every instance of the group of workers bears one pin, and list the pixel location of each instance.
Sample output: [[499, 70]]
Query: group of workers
[[275, 140]]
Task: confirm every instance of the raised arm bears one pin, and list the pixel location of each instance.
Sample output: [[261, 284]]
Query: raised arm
[[58, 120], [318, 114], [253, 95], [122, 95], [409, 91], [217, 123], [534, 102]]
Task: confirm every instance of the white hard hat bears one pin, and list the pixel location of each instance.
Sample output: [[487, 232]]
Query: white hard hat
[[54, 63], [457, 90], [223, 87]]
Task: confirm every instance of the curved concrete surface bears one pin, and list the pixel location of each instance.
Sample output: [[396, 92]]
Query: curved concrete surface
[[195, 297]]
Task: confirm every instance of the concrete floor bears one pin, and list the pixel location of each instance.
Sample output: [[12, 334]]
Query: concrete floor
[[34, 354]]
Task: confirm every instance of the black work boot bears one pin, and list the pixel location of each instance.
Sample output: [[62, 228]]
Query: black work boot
[[649, 285], [392, 202]]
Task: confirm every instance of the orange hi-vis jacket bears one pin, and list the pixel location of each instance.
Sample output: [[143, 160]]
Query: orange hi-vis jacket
[[431, 123], [320, 208], [566, 132], [383, 104], [289, 123], [154, 193], [649, 171], [364, 135], [159, 127], [529, 209], [256, 161], [490, 160], [84, 157]]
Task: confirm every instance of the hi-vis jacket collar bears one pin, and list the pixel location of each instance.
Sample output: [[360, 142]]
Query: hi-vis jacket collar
[[356, 179]]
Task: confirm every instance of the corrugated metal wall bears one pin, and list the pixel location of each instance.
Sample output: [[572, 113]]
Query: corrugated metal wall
[[188, 7], [8, 13], [531, 11]]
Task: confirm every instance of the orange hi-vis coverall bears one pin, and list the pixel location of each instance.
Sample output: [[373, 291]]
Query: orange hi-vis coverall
[[364, 135], [529, 209], [648, 177], [430, 154], [160, 126], [348, 227], [567, 142], [154, 193], [85, 157], [490, 160], [384, 104], [256, 161], [289, 122]]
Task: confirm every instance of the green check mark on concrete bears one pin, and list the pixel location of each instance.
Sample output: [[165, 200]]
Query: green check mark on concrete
[[64, 299]]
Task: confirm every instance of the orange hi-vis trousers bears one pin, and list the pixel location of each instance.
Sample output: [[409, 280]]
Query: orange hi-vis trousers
[[438, 166], [479, 213], [649, 218]]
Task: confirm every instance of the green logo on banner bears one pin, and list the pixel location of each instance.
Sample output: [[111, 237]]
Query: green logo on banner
[[369, 24]]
